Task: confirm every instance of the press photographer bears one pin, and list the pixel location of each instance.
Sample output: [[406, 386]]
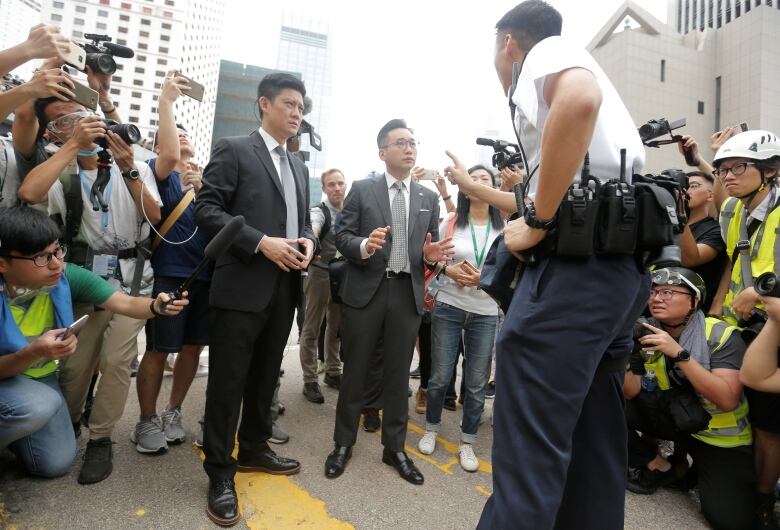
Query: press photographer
[[761, 368], [104, 200]]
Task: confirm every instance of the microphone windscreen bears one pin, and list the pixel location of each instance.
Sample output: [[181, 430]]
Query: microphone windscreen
[[119, 50], [307, 104], [485, 141], [224, 238]]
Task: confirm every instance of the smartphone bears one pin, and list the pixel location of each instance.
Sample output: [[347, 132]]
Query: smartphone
[[429, 174], [75, 328], [196, 89], [76, 56], [469, 265], [743, 126], [85, 95]]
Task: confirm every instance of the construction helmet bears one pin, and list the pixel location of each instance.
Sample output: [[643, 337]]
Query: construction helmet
[[754, 145], [681, 276]]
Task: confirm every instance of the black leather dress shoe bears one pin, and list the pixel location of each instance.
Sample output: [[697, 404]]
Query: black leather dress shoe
[[268, 462], [371, 421], [223, 503], [333, 381], [337, 461], [404, 466]]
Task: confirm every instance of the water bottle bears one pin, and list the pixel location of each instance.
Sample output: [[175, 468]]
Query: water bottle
[[649, 382]]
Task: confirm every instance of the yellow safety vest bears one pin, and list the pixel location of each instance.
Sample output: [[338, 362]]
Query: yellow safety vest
[[37, 319], [726, 429], [764, 250]]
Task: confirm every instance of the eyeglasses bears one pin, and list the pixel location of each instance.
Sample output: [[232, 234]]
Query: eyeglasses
[[403, 143], [666, 294], [694, 186], [65, 124], [43, 259], [736, 170]]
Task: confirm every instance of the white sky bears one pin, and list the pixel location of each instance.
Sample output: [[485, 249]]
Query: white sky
[[429, 62]]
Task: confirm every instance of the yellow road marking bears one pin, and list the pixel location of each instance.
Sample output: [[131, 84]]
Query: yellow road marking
[[274, 501], [484, 491], [451, 448], [140, 512]]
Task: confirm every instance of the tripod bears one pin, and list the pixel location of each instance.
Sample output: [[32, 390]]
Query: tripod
[[101, 181]]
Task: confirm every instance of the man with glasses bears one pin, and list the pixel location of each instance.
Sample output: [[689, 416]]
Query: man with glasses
[[111, 242], [747, 166], [388, 225], [37, 290]]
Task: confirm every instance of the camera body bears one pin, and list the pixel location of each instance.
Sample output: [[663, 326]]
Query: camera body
[[126, 131], [504, 155], [656, 128], [100, 53]]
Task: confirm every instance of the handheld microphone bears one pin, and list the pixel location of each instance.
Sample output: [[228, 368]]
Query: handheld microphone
[[118, 50], [216, 247]]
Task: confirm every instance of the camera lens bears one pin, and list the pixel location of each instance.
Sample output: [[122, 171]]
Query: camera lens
[[101, 63], [768, 284]]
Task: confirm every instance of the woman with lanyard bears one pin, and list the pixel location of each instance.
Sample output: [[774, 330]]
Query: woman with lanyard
[[462, 310]]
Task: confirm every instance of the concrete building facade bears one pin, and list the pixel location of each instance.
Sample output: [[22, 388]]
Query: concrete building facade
[[716, 68]]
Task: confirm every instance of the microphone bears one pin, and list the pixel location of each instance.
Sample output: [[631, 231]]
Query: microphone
[[495, 144], [216, 247], [119, 50], [307, 105], [485, 141]]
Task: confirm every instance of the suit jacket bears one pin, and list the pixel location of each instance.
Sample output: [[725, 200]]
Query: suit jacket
[[240, 179], [366, 208]]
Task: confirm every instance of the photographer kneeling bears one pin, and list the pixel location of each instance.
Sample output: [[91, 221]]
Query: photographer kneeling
[[684, 386], [37, 292]]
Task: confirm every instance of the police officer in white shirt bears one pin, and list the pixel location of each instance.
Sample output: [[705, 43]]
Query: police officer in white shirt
[[558, 417]]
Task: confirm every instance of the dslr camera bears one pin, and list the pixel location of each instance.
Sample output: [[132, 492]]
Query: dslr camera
[[656, 128], [126, 131], [100, 54], [504, 155]]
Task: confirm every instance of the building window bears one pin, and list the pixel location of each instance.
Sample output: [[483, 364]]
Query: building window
[[58, 5], [116, 79], [120, 66], [162, 61], [126, 5], [165, 25], [102, 13], [124, 18], [139, 70], [711, 8], [79, 9], [133, 119], [105, 2], [135, 107], [121, 29], [157, 85], [141, 58], [687, 15], [123, 42], [101, 25], [138, 82], [169, 3], [77, 34], [155, 97], [159, 73], [146, 22], [719, 16], [147, 10], [135, 94], [144, 33], [165, 38], [700, 107], [142, 46], [663, 70], [78, 21], [115, 91], [167, 14], [56, 17], [163, 49], [152, 122], [717, 103]]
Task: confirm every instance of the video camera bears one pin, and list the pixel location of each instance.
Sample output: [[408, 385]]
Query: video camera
[[656, 128], [505, 154], [101, 52]]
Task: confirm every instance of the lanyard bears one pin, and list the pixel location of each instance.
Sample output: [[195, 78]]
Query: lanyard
[[106, 195], [479, 256]]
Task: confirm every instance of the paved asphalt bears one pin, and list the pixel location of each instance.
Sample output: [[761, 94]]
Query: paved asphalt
[[169, 491]]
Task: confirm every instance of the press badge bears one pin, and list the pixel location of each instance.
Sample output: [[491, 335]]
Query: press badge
[[105, 265]]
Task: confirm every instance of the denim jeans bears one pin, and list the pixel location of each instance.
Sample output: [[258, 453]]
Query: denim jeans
[[449, 324], [35, 425]]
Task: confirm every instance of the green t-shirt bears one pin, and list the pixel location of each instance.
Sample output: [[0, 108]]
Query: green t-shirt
[[35, 314]]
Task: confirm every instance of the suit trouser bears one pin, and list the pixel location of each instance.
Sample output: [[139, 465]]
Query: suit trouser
[[318, 305], [245, 355], [392, 318], [107, 341], [559, 444]]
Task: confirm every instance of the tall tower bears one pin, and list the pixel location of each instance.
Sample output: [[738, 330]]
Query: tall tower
[[165, 34], [305, 47], [16, 19]]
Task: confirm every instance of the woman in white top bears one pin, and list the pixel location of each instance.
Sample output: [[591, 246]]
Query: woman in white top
[[462, 310]]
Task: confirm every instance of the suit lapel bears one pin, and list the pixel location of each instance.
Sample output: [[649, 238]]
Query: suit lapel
[[383, 199], [261, 150], [415, 203]]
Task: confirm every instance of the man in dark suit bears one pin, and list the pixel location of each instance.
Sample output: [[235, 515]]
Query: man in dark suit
[[387, 227], [255, 288]]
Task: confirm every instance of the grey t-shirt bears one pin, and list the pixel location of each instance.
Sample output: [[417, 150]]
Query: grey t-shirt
[[9, 174]]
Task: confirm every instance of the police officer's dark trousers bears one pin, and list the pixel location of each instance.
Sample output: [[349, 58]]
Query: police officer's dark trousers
[[559, 444]]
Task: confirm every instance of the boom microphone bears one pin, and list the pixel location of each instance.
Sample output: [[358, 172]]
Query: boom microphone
[[216, 247], [485, 141], [119, 50]]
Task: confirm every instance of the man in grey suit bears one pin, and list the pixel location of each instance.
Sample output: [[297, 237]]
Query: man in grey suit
[[387, 229], [255, 287]]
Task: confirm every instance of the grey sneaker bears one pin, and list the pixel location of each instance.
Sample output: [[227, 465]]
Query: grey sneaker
[[174, 431], [279, 435], [199, 437], [148, 435]]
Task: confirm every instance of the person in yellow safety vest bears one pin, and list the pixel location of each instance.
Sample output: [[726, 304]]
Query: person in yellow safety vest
[[683, 347], [37, 290], [747, 165]]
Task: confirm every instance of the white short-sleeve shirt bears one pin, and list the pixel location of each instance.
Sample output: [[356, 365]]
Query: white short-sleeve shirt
[[614, 127]]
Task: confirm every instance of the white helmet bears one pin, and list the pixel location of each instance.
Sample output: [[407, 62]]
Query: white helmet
[[755, 145]]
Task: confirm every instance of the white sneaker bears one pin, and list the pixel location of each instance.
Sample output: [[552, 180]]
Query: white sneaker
[[427, 444], [468, 460]]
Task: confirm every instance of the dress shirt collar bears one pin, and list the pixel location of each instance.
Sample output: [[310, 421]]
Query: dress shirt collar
[[270, 141], [392, 180]]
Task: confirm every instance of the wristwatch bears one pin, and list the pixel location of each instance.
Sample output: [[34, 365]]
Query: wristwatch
[[533, 222], [683, 356], [131, 174]]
